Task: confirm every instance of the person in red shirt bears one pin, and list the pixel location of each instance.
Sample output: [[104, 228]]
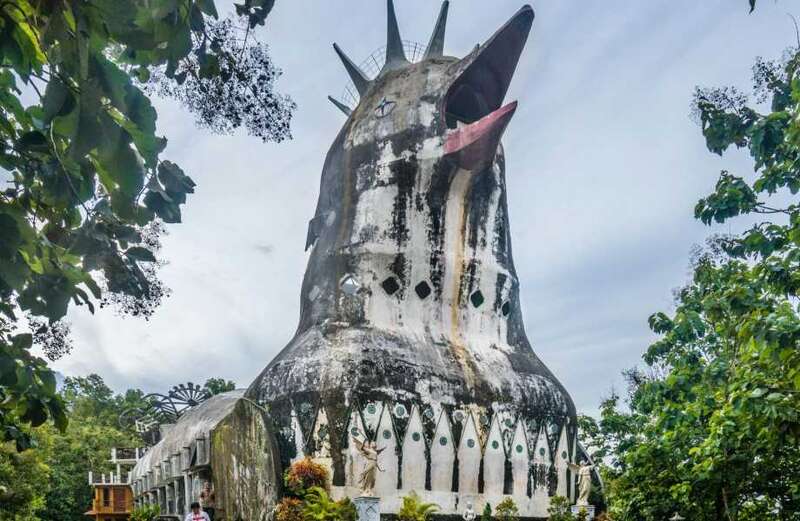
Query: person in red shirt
[[196, 514]]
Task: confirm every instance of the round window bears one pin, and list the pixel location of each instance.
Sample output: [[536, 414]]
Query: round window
[[495, 445], [354, 431], [564, 454], [386, 434], [371, 408], [519, 449], [400, 410], [541, 451], [443, 441], [415, 436], [470, 443]]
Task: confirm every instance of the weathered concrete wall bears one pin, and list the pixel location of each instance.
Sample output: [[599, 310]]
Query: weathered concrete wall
[[245, 463]]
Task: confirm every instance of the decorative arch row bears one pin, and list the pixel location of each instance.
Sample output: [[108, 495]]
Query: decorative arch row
[[463, 450]]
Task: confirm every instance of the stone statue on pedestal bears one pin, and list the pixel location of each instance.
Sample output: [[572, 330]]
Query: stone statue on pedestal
[[369, 450], [469, 514], [584, 471]]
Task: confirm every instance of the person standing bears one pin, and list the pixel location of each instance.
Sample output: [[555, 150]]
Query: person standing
[[196, 513], [208, 500]]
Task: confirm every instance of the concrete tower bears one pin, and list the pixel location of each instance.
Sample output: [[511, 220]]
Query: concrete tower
[[411, 332]]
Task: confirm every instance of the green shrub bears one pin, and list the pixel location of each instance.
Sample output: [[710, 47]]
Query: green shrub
[[487, 512], [507, 510], [414, 509], [318, 506], [145, 513], [559, 509]]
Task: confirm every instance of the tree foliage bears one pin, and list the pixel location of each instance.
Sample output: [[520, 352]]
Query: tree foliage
[[414, 509], [219, 385], [507, 510], [86, 183], [49, 480], [318, 506], [713, 429], [145, 513]]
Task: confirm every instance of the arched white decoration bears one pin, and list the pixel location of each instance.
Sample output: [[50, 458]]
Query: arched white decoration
[[413, 471], [541, 468], [442, 456], [299, 440], [386, 442], [355, 460], [519, 460], [573, 477], [561, 462], [372, 415], [469, 457], [321, 436], [494, 460]]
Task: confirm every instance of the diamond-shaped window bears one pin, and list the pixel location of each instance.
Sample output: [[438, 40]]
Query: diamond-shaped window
[[390, 285], [350, 285], [423, 289], [476, 299]]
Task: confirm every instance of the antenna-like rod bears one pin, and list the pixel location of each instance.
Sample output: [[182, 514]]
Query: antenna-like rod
[[395, 56], [341, 106], [436, 45], [360, 79]]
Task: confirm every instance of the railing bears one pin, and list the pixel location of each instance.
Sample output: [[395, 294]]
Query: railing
[[127, 453], [373, 64], [109, 479]]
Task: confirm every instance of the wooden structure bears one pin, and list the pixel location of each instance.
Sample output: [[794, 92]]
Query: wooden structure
[[112, 497], [112, 501]]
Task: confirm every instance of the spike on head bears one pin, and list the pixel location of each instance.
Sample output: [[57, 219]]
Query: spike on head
[[395, 56], [341, 106], [436, 44], [360, 80]]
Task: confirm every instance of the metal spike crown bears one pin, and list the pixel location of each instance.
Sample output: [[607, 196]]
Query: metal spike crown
[[395, 55]]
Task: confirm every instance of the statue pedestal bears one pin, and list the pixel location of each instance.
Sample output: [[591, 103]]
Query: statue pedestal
[[369, 508], [588, 508]]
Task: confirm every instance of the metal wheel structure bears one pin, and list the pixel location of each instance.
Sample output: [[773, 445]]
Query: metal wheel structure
[[163, 409]]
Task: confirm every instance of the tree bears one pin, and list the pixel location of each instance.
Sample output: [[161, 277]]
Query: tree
[[87, 186], [48, 481], [219, 385], [559, 509], [22, 475], [714, 422], [486, 515], [507, 510]]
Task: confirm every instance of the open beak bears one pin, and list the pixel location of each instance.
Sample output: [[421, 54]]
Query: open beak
[[474, 108]]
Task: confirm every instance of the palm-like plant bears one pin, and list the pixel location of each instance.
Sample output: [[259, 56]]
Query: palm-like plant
[[414, 509], [318, 506], [145, 513]]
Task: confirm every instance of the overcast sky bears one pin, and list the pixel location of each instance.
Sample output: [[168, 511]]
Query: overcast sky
[[604, 166]]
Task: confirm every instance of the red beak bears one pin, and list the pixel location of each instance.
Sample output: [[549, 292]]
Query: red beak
[[475, 145]]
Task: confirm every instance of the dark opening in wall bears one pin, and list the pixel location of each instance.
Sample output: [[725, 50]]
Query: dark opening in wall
[[390, 285], [477, 299], [506, 309], [422, 290], [465, 104]]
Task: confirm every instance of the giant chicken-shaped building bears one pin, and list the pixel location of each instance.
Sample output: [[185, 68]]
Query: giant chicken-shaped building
[[411, 332]]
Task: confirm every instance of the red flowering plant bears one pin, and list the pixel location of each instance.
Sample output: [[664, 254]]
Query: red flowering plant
[[303, 475]]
